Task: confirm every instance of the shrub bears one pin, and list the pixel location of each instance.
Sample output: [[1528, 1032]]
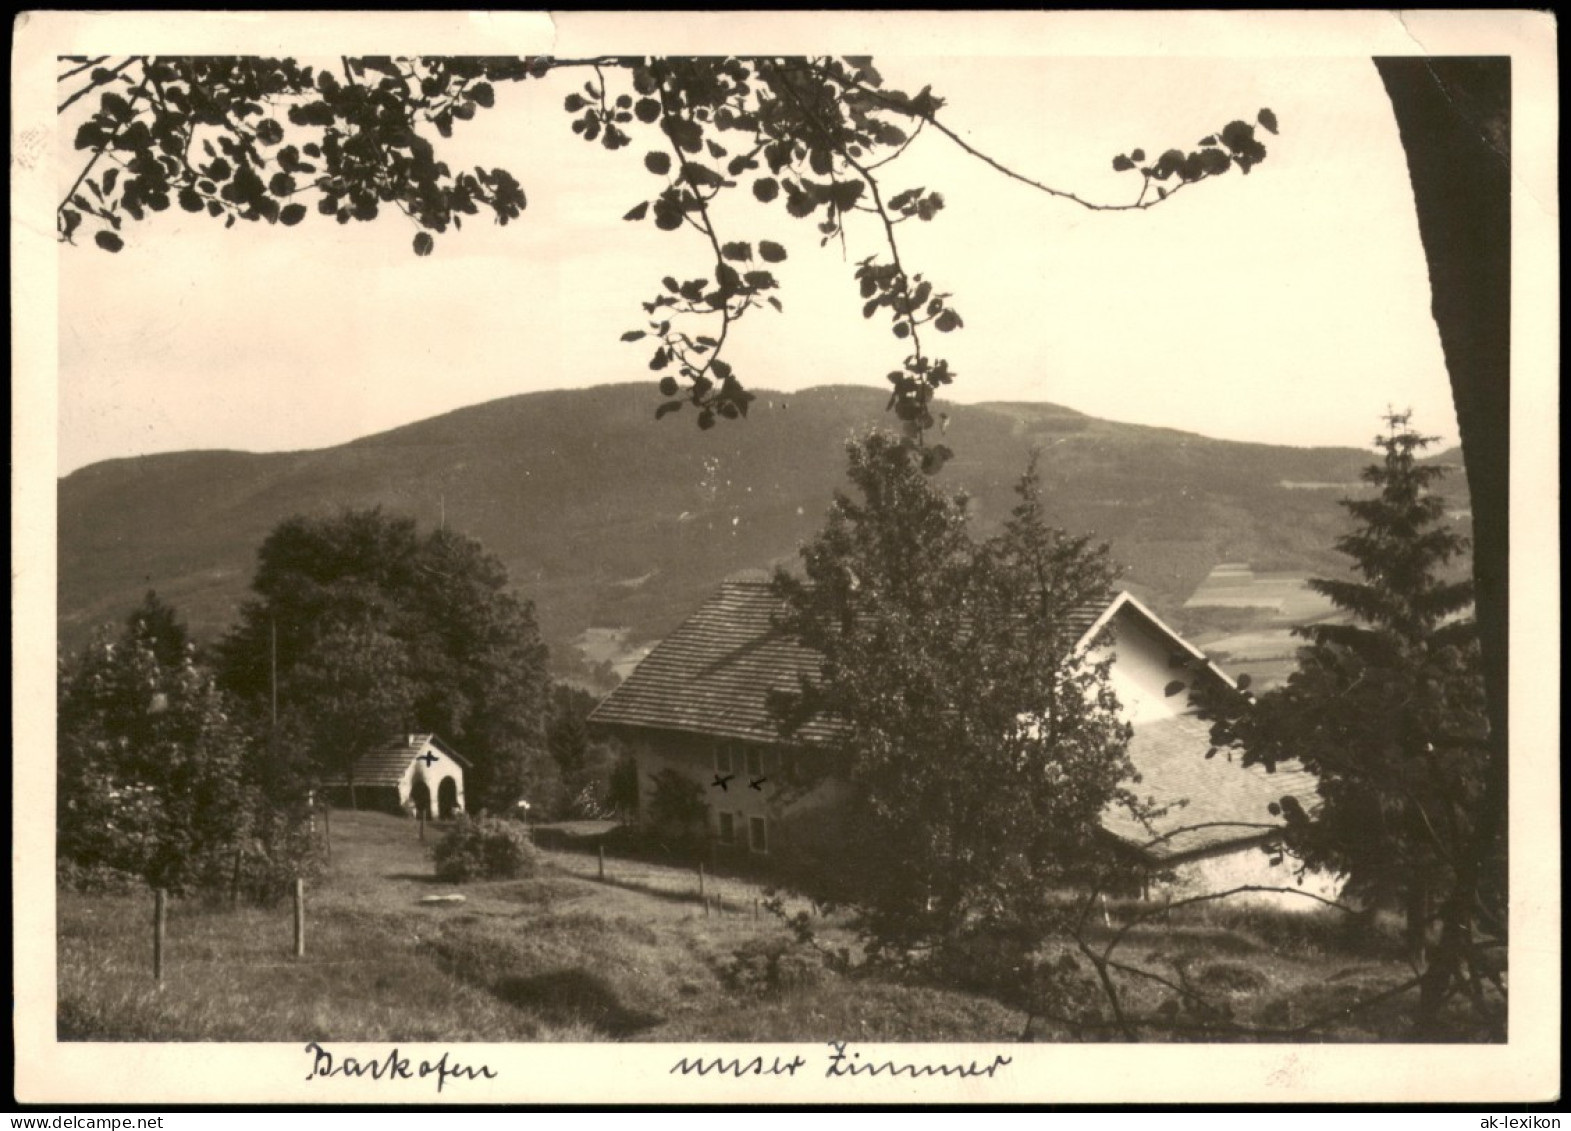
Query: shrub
[[485, 849], [769, 966]]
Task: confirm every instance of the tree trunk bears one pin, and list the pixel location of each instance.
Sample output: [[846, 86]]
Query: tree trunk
[[1418, 920], [1454, 118]]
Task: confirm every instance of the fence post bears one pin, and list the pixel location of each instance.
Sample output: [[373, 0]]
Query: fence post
[[160, 911], [234, 881], [299, 917], [422, 824], [755, 909], [601, 849], [327, 830], [701, 886]]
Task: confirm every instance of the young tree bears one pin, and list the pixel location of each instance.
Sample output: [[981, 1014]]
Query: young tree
[[372, 629], [983, 745], [1389, 713], [155, 774], [258, 139]]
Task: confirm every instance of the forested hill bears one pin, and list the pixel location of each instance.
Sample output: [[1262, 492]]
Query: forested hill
[[605, 517]]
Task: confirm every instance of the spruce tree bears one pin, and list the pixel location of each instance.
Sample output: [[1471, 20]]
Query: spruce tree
[[1387, 711]]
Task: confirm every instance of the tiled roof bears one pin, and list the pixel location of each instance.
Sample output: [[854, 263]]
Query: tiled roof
[[1224, 796], [386, 765], [713, 675]]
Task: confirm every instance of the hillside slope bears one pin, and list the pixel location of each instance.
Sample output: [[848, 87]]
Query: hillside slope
[[605, 517]]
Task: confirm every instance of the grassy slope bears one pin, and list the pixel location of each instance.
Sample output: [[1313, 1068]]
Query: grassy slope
[[561, 957], [581, 494]]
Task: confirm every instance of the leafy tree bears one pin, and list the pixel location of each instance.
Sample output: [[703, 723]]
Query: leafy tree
[[1389, 713], [585, 763], [376, 629], [348, 694], [983, 744], [256, 139], [155, 773]]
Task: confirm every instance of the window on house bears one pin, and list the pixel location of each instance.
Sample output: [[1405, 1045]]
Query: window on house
[[722, 759], [755, 763], [758, 834], [727, 828]]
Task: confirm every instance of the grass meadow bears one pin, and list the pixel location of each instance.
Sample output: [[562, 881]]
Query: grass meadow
[[563, 956]]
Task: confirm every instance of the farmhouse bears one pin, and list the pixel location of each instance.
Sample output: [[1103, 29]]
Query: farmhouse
[[410, 773], [697, 704]]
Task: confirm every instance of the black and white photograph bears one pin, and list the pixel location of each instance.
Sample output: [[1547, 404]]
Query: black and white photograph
[[569, 558]]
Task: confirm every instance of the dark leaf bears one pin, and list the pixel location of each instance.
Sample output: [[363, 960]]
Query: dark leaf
[[483, 94], [771, 252], [658, 163], [669, 406], [637, 212], [646, 110], [269, 132], [1122, 164], [1267, 119], [668, 386], [766, 189], [424, 244], [108, 241], [291, 214], [1173, 688], [1244, 681], [706, 418], [739, 251]]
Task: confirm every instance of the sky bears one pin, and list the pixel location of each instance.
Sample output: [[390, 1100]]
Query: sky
[[1290, 306]]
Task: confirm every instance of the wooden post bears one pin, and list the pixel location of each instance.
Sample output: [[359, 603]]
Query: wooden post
[[601, 849], [160, 911], [299, 918], [422, 823], [701, 888], [234, 880], [327, 830], [706, 907], [755, 909]]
